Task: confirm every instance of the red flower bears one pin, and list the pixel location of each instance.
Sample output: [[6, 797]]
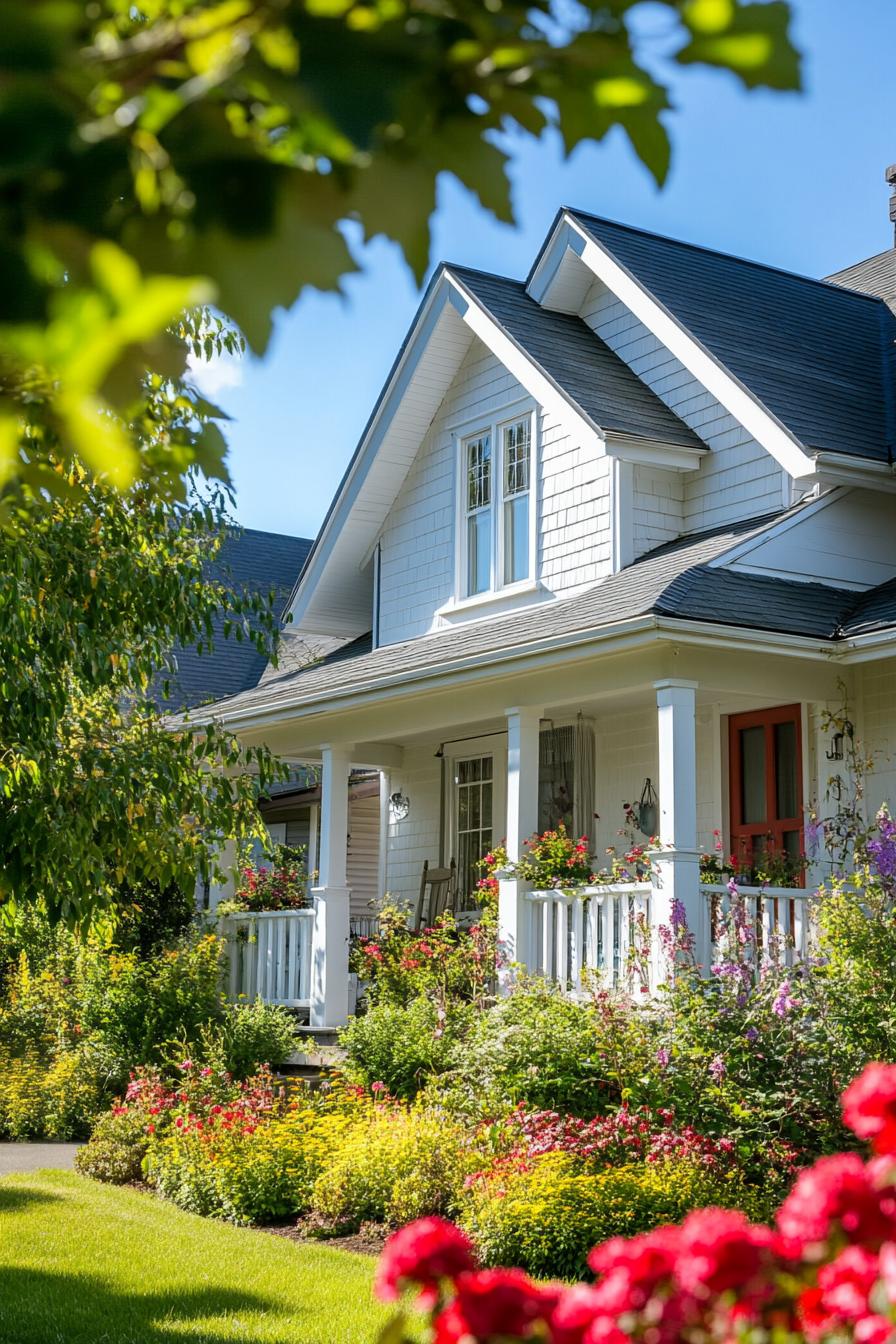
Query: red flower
[[633, 1268], [424, 1253], [490, 1302], [869, 1106], [846, 1284], [577, 1309], [836, 1194], [720, 1250]]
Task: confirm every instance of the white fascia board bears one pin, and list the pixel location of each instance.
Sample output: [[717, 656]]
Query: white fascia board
[[727, 390], [351, 486], [537, 383]]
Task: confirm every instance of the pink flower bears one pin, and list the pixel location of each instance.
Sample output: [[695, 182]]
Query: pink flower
[[423, 1253], [720, 1250], [869, 1106], [837, 1194]]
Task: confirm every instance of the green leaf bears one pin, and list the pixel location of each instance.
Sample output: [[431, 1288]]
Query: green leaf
[[755, 43]]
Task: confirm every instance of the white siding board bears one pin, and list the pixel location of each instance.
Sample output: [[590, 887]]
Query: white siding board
[[738, 478]]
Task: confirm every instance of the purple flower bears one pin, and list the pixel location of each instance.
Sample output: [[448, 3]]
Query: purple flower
[[783, 1001], [732, 886], [751, 1034], [814, 834], [882, 851], [678, 917], [662, 1058], [717, 1069]]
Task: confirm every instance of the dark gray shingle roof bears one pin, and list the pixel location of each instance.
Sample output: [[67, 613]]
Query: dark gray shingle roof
[[874, 610], [818, 356], [578, 362], [250, 562], [875, 275], [673, 581]]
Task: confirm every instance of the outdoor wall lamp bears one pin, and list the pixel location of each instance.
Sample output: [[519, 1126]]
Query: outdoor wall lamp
[[835, 751], [399, 806]]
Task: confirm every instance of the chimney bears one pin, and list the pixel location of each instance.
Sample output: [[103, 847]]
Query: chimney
[[890, 175]]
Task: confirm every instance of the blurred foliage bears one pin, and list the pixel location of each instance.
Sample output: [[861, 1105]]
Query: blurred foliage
[[160, 155]]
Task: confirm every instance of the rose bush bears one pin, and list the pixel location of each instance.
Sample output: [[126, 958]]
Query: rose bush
[[824, 1271]]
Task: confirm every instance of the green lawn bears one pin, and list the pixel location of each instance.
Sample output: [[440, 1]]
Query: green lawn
[[83, 1263]]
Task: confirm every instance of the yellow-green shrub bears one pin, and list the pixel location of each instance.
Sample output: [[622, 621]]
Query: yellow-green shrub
[[47, 1097], [395, 1165], [246, 1175], [546, 1217]]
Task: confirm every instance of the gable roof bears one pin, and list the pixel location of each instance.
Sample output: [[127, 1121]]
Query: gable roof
[[819, 357], [582, 365], [675, 580], [249, 562]]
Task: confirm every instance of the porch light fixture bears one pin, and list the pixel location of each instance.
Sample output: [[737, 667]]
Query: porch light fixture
[[399, 806], [648, 810], [835, 751]]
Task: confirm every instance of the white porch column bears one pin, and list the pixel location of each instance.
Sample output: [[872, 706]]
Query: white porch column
[[676, 866], [329, 940], [523, 726]]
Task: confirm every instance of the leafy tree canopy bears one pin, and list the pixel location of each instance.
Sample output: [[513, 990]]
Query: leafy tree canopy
[[167, 153], [97, 788]]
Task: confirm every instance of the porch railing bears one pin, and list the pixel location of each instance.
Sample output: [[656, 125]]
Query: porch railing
[[270, 956], [780, 916], [581, 939]]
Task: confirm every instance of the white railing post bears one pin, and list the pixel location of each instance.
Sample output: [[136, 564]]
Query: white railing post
[[330, 935], [676, 865], [514, 914]]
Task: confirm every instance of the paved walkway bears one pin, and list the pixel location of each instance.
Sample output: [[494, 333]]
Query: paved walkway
[[17, 1157]]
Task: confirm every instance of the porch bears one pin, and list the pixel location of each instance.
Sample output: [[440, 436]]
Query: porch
[[460, 772]]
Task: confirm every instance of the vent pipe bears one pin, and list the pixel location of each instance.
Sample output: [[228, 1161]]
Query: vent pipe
[[890, 175]]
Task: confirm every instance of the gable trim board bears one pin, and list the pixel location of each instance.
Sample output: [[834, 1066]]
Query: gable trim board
[[730, 392]]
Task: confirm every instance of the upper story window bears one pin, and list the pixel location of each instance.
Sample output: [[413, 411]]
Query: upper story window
[[498, 542]]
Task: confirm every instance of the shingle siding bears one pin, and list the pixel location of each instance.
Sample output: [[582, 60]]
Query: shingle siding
[[738, 478]]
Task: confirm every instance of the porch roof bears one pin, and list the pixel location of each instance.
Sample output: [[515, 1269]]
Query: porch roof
[[675, 580]]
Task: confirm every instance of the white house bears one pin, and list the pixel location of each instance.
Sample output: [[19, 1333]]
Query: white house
[[629, 519]]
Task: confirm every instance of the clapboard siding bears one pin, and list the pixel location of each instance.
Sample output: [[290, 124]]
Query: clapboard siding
[[738, 479], [417, 544]]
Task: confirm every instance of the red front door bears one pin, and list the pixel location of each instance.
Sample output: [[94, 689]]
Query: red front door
[[766, 789]]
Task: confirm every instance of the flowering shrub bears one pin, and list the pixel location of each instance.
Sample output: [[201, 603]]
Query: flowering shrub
[[394, 1165], [279, 884], [444, 962], [554, 860], [403, 1046], [826, 1271], [624, 1136], [545, 1213]]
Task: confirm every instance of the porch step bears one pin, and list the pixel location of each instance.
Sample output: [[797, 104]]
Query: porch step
[[310, 1037]]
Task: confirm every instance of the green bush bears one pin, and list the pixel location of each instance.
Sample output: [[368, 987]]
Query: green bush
[[54, 1098], [248, 1035], [546, 1216], [539, 1047], [394, 1165], [402, 1046], [116, 1147], [245, 1173]]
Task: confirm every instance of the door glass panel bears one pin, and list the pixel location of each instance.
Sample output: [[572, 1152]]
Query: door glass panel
[[785, 770], [473, 813], [752, 758], [791, 846]]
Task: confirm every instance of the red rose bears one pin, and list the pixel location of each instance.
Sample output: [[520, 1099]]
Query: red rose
[[502, 1302], [846, 1284], [836, 1194], [869, 1106], [423, 1253], [575, 1311], [720, 1250]]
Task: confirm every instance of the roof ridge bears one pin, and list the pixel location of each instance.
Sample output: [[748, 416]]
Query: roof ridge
[[478, 270], [727, 256], [264, 532]]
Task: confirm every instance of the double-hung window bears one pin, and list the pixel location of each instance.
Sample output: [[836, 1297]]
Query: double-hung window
[[497, 474]]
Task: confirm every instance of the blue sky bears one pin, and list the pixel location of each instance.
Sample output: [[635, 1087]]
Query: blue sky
[[795, 180]]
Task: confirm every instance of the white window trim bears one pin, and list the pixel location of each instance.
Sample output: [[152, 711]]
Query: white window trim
[[495, 745], [498, 591]]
